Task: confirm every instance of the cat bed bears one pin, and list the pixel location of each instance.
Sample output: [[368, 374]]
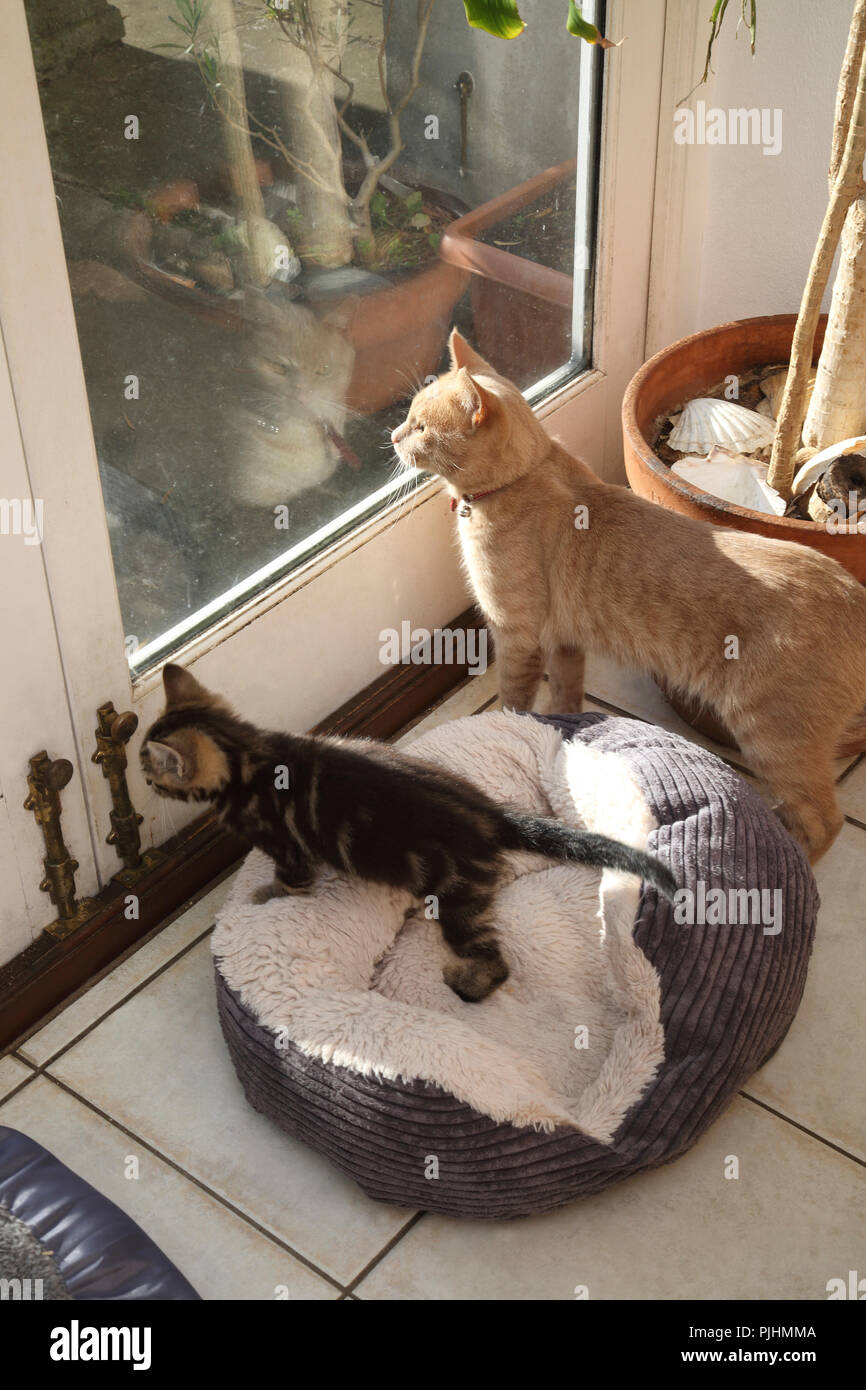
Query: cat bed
[[622, 1032]]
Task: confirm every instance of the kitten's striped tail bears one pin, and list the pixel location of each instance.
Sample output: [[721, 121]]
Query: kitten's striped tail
[[557, 841]]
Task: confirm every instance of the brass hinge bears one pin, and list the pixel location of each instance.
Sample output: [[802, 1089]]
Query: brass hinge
[[113, 732], [46, 780]]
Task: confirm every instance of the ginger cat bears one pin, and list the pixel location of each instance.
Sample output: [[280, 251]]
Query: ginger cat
[[654, 590]]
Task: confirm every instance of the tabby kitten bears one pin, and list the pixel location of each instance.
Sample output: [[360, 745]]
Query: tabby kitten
[[561, 561], [368, 810]]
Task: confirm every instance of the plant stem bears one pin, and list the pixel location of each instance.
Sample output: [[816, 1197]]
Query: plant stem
[[239, 148], [361, 201], [847, 186], [837, 409], [847, 89]]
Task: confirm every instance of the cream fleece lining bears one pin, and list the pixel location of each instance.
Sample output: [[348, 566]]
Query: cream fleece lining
[[352, 973]]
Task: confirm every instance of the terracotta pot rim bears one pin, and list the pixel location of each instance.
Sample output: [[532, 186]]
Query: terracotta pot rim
[[390, 313], [705, 500], [460, 246]]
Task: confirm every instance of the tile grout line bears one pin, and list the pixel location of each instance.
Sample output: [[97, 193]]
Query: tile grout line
[[386, 1250], [134, 990], [804, 1129], [129, 954], [196, 1182], [487, 703], [847, 773], [16, 1090]]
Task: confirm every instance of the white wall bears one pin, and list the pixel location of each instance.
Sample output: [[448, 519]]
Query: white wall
[[764, 212], [749, 220]]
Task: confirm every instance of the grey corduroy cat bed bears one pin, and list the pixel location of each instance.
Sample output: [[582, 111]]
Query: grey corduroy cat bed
[[635, 1032]]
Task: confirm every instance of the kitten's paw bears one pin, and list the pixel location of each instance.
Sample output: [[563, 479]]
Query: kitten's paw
[[472, 980], [266, 892], [278, 889]]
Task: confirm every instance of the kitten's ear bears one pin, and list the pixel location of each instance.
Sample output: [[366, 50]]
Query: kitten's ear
[[464, 355], [475, 397], [168, 761], [183, 689]]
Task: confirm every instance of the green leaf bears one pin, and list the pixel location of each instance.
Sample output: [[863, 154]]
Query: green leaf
[[580, 27], [434, 239], [751, 22], [498, 17], [414, 202]]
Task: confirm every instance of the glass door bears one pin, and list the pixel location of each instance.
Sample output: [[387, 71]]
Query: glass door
[[236, 236]]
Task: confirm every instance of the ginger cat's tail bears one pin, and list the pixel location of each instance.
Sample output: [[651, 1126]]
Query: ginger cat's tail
[[854, 738]]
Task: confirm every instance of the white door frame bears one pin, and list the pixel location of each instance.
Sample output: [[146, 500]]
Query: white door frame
[[680, 188], [36, 711], [312, 640]]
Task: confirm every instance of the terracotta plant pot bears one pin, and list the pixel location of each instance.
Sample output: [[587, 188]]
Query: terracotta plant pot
[[399, 335], [522, 312], [689, 368]]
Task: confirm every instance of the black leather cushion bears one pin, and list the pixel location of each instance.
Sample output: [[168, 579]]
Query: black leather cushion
[[91, 1248]]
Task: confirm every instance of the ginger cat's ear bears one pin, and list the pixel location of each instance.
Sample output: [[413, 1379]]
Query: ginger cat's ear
[[475, 397], [464, 355], [181, 688]]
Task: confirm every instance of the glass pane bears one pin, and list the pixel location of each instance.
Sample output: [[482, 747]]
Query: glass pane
[[272, 215]]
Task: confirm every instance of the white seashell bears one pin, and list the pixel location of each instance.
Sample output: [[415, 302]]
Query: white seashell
[[773, 385], [272, 244], [773, 502], [733, 478], [706, 422], [820, 462]]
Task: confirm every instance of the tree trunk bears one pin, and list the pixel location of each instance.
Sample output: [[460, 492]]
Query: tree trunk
[[325, 229], [838, 406], [846, 189], [834, 407], [325, 233], [238, 145]]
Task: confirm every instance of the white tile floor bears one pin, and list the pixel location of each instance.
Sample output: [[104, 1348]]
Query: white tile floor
[[136, 1066]]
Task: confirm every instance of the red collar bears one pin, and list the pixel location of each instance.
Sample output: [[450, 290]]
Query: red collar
[[468, 498]]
